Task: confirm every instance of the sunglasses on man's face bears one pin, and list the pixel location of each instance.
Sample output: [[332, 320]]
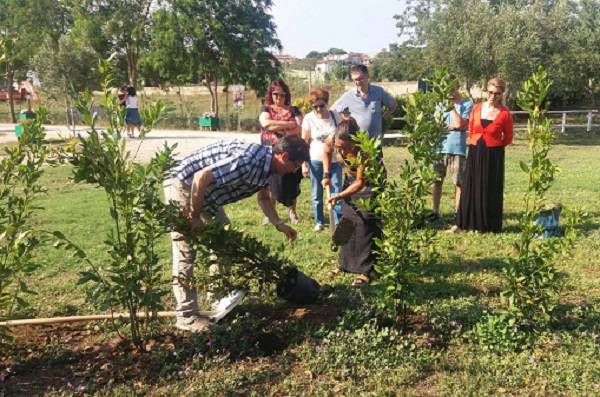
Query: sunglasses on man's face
[[494, 93], [316, 107]]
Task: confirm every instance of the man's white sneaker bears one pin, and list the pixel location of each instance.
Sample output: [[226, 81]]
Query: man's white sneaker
[[226, 305], [193, 324], [319, 227]]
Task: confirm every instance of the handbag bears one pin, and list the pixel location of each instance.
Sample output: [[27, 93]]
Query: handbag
[[549, 220]]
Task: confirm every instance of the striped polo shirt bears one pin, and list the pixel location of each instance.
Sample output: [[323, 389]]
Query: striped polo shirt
[[239, 170]]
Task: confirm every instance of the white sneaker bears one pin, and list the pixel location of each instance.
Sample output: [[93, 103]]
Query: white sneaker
[[226, 305], [319, 227], [194, 324]]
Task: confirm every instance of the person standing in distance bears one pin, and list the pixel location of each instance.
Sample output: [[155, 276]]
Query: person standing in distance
[[453, 148]]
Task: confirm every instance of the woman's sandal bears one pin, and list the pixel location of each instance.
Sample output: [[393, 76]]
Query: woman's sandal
[[294, 220], [361, 280]]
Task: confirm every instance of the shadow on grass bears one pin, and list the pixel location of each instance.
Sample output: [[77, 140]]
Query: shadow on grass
[[578, 137], [456, 264], [584, 317], [510, 222], [511, 225]]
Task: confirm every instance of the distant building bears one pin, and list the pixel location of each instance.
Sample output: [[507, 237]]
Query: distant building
[[285, 59], [325, 64]]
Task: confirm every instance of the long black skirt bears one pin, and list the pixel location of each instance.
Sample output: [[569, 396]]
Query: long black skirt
[[358, 254], [482, 194]]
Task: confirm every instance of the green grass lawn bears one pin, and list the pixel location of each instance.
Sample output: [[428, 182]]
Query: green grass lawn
[[267, 347]]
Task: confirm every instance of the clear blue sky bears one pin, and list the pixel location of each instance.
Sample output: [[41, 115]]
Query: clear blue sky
[[354, 25]]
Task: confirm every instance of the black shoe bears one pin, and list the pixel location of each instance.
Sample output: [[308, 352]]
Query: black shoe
[[434, 216]]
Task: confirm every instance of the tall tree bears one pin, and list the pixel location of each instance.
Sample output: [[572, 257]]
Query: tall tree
[[315, 54], [65, 68], [510, 38], [122, 24], [400, 62], [23, 26], [336, 51], [227, 41]]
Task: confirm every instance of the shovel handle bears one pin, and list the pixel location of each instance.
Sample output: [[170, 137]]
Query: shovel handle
[[331, 220]]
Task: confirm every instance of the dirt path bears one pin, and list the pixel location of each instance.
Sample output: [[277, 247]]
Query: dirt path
[[186, 140]]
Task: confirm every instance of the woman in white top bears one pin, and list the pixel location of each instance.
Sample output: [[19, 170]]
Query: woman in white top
[[133, 119], [317, 126]]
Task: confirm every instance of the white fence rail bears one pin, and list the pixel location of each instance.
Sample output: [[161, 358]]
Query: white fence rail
[[563, 124]]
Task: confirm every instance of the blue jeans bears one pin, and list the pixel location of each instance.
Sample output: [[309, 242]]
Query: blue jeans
[[316, 189]]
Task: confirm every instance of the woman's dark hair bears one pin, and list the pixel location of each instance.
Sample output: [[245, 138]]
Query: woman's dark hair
[[346, 130], [131, 91], [278, 85]]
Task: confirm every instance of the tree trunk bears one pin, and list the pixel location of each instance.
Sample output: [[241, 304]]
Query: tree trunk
[[68, 110], [591, 92], [10, 79], [216, 108], [226, 92], [213, 94], [182, 108], [468, 88], [132, 70]]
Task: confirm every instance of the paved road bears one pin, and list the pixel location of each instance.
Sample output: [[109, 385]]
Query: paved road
[[187, 140]]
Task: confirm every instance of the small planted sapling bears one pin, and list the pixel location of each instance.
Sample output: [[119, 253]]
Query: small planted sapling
[[21, 167], [131, 279], [403, 251], [533, 282]]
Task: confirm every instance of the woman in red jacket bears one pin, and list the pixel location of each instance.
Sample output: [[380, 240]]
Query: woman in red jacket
[[490, 130]]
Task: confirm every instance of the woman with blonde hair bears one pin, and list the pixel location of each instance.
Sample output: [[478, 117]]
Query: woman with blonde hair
[[490, 130]]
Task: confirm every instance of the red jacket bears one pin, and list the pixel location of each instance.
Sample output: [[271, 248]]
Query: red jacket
[[498, 133]]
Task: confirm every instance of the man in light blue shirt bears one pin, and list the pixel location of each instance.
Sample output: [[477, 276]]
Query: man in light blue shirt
[[366, 103], [454, 147]]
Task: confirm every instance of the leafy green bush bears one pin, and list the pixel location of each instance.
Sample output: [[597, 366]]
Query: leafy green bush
[[132, 278], [251, 265], [400, 203], [21, 167], [500, 333], [534, 283]]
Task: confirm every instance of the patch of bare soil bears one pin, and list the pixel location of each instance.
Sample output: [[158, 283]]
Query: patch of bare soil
[[81, 357], [73, 356]]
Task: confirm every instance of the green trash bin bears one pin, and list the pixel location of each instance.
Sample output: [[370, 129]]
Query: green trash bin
[[211, 123], [24, 117]]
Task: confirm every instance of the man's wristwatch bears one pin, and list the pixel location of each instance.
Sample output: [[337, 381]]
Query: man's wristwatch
[[326, 175]]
